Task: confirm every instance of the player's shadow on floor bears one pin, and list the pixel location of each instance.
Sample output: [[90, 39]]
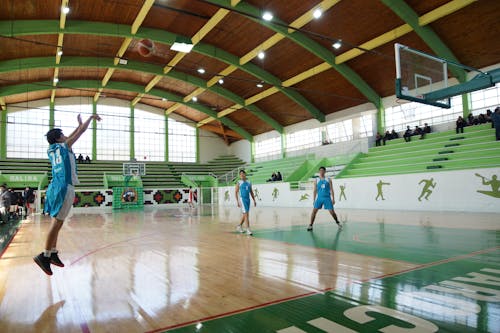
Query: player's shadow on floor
[[324, 242]]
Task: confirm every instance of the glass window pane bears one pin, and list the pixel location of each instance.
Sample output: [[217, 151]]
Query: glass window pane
[[149, 136], [113, 133], [181, 142], [26, 131]]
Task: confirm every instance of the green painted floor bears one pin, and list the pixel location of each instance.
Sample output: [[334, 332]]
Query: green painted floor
[[455, 288]]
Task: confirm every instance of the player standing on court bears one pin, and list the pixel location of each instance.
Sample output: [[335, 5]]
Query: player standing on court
[[243, 193], [61, 192], [323, 197]]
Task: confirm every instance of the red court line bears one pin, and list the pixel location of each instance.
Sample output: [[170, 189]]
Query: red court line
[[108, 246], [10, 241], [85, 328], [435, 263]]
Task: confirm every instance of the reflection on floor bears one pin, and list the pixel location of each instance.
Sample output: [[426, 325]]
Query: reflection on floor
[[187, 271]]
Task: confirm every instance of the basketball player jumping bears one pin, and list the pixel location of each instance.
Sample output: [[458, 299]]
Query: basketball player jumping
[[61, 192], [323, 197], [243, 193]]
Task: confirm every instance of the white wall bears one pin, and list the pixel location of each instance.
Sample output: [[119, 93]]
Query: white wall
[[211, 146], [455, 191], [241, 149]]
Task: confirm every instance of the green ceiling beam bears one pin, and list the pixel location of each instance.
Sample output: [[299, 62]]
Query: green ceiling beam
[[8, 66], [408, 15], [94, 85], [310, 45], [39, 27]]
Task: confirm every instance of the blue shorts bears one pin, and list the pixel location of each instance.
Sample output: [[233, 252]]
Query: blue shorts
[[245, 205], [325, 202]]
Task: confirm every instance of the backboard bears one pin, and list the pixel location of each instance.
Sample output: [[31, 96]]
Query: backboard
[[134, 169]]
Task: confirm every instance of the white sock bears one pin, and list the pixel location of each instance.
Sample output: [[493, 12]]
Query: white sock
[[47, 253], [54, 250]]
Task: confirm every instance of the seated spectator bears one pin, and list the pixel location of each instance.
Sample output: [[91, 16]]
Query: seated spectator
[[488, 116], [394, 134], [378, 138], [481, 119], [4, 204], [471, 120], [495, 117], [387, 136], [80, 158], [279, 177], [418, 131], [29, 200], [460, 124], [87, 159], [408, 134], [427, 129], [273, 177], [14, 199]]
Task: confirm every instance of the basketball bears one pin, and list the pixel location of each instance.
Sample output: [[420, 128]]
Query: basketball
[[145, 47]]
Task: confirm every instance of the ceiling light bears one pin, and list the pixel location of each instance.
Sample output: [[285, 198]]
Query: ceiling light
[[164, 99], [261, 55], [65, 9], [182, 44], [317, 13], [59, 52], [201, 70], [221, 81], [122, 61], [199, 326], [195, 99], [56, 80], [260, 85], [337, 45], [267, 16]]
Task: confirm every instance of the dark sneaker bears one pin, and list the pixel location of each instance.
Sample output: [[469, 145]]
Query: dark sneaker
[[310, 228], [339, 225], [44, 263], [54, 260]]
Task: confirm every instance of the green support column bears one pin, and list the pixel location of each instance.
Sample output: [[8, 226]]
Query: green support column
[[283, 144], [52, 120], [166, 138], [252, 151], [466, 104], [3, 135], [381, 119], [132, 131], [94, 132], [197, 145]]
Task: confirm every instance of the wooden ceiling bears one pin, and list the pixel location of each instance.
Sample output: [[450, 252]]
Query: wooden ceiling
[[228, 35]]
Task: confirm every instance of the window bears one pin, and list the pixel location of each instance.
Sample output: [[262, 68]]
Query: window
[[181, 142], [26, 133], [268, 147], [417, 114], [113, 133], [366, 126], [149, 136], [341, 131], [482, 100], [65, 118], [303, 139]]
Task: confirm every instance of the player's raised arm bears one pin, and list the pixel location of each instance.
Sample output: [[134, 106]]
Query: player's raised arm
[[82, 127]]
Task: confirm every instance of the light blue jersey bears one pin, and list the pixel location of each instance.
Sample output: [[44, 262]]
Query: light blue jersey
[[64, 175], [323, 187], [245, 188]]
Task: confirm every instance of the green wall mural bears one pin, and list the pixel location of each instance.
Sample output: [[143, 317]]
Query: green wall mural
[[380, 192], [493, 182], [426, 190]]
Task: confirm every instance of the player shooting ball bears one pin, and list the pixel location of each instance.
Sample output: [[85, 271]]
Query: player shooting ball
[[61, 191]]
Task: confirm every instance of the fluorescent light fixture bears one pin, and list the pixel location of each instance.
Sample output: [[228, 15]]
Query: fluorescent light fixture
[[182, 44], [56, 80], [260, 85], [267, 16], [65, 9], [194, 99], [221, 81], [337, 45], [122, 61], [261, 55], [199, 326], [317, 13], [201, 70], [59, 52], [164, 99]]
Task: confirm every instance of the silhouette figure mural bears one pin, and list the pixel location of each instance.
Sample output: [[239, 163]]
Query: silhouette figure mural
[[426, 190], [275, 193], [380, 193], [304, 197], [493, 182], [226, 196], [257, 194], [342, 193]]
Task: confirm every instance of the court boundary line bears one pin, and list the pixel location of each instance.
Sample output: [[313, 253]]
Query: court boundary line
[[282, 300]]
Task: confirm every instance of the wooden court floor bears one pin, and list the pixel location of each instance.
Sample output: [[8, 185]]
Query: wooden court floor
[[185, 270]]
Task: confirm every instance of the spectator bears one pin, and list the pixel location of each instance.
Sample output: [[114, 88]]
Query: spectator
[[279, 177], [495, 117], [488, 117], [14, 198], [273, 177], [394, 134], [378, 138], [387, 136], [408, 134], [471, 120], [29, 200], [80, 158], [427, 129], [87, 159], [481, 119], [418, 131], [460, 124], [4, 204]]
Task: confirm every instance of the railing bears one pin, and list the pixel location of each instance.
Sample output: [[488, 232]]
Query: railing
[[230, 176]]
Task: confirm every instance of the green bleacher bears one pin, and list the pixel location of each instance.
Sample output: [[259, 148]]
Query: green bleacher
[[442, 151], [158, 174]]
